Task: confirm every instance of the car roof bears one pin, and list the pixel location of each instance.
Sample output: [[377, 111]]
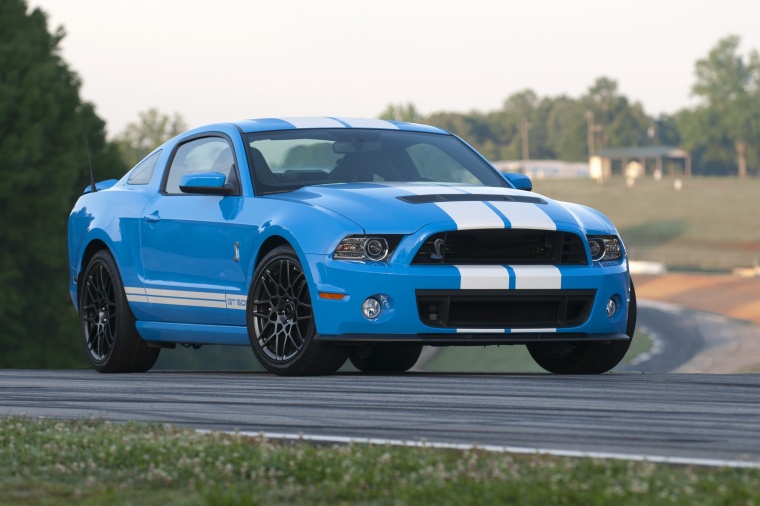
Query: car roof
[[271, 124]]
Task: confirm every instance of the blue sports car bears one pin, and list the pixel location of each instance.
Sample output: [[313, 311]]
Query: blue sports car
[[320, 240]]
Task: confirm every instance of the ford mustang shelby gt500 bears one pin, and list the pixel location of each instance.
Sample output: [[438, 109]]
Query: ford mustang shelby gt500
[[317, 240]]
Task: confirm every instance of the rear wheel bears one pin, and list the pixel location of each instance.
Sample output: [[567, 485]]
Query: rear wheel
[[110, 339], [280, 320], [392, 358], [585, 358]]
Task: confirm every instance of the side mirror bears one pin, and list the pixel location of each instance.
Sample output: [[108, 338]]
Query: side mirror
[[519, 181], [206, 183]]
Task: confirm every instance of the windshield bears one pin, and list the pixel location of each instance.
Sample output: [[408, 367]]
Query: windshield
[[288, 160]]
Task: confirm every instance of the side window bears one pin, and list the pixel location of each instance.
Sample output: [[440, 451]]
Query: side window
[[210, 154], [144, 170], [435, 165]]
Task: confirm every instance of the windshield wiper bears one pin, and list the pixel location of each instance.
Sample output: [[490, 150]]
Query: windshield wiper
[[272, 192]]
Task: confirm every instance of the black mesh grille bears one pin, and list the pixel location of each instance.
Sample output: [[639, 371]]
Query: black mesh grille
[[500, 309], [502, 247]]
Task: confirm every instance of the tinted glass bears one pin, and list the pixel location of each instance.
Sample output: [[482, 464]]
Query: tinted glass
[[143, 171], [210, 154], [288, 160]]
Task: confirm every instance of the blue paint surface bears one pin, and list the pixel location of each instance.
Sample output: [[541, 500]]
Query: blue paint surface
[[188, 261]]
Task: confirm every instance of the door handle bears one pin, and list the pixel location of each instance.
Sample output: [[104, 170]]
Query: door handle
[[152, 218]]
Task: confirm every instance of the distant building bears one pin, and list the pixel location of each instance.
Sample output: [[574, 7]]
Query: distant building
[[637, 161], [545, 169]]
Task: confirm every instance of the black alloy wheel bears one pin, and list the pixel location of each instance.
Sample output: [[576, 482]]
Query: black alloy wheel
[[280, 319], [107, 324]]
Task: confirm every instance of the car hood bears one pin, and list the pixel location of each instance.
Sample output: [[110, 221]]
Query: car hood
[[404, 208]]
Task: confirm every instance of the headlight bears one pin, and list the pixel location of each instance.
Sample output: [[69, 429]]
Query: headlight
[[362, 247], [605, 248]]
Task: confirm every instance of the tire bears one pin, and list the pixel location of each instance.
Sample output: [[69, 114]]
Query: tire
[[397, 358], [585, 358], [111, 342], [280, 320]]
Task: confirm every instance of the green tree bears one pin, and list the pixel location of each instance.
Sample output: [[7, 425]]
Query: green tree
[[151, 130], [728, 86], [43, 167], [616, 121], [566, 129], [401, 112]]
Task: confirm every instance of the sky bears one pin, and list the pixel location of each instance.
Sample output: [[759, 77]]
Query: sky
[[232, 59]]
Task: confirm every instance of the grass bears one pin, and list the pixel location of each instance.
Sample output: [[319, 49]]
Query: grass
[[512, 359], [95, 462], [711, 224]]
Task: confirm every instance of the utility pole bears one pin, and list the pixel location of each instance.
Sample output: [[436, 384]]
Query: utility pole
[[524, 126], [590, 132]]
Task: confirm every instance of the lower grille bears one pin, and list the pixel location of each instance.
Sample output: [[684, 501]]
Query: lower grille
[[504, 309]]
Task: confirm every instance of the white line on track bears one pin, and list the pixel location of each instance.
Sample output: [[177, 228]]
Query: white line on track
[[686, 461], [658, 345]]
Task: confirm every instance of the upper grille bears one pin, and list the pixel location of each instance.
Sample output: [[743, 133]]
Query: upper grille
[[502, 247]]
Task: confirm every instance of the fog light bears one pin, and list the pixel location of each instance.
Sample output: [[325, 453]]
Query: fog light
[[371, 308], [611, 307]]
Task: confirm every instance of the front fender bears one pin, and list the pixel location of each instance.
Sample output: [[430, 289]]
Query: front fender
[[111, 217], [309, 229]]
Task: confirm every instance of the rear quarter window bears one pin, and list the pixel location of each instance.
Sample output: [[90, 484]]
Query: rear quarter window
[[143, 171]]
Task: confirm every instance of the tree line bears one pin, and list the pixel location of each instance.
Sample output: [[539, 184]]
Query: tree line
[[722, 133], [49, 136]]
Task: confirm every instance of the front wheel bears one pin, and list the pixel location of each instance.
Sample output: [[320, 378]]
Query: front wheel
[[110, 339], [585, 358], [280, 320]]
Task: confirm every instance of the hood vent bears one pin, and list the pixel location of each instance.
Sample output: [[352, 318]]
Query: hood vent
[[469, 197]]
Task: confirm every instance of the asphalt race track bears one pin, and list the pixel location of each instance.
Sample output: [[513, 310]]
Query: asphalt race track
[[673, 415], [639, 410], [683, 333]]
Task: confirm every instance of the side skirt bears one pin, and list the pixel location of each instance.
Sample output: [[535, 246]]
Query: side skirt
[[190, 333]]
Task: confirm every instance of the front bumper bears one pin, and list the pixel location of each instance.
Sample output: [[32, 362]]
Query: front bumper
[[464, 339], [398, 286]]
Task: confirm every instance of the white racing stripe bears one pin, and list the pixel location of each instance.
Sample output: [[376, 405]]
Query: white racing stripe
[[368, 123], [532, 331], [686, 461], [483, 277], [524, 215], [185, 294], [467, 215], [480, 331], [537, 277], [188, 302], [471, 215], [135, 294], [314, 122], [177, 297]]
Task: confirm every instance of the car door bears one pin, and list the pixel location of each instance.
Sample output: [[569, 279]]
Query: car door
[[185, 242]]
